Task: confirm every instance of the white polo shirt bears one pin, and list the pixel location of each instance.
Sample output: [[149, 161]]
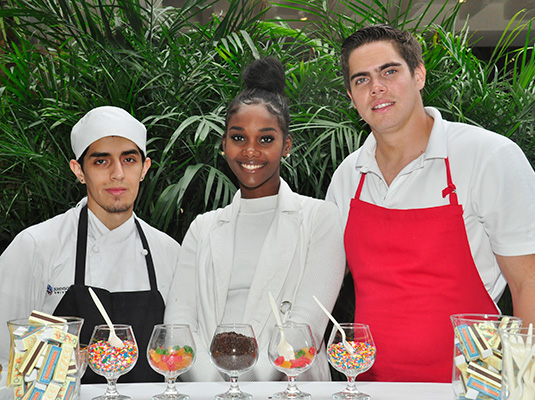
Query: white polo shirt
[[495, 185]]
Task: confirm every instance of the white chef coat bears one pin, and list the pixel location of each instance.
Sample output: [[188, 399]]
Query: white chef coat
[[302, 255], [495, 185], [38, 267]]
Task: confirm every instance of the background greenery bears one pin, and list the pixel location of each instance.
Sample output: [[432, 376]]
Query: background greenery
[[60, 58]]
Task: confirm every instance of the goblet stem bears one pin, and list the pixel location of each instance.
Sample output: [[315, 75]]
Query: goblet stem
[[171, 390], [351, 387], [234, 390], [292, 389], [111, 389]]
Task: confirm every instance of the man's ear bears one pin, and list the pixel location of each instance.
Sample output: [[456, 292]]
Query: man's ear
[[420, 74], [76, 169], [351, 97], [146, 165]]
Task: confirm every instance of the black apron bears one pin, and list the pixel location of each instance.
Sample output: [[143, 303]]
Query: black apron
[[140, 309]]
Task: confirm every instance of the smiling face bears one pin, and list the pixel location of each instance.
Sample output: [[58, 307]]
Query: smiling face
[[253, 145], [382, 88], [112, 170]]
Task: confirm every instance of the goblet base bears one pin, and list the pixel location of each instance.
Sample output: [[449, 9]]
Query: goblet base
[[173, 396], [234, 395], [290, 395], [112, 397], [351, 396]]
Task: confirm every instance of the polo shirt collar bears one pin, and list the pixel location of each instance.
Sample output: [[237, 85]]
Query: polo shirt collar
[[437, 147]]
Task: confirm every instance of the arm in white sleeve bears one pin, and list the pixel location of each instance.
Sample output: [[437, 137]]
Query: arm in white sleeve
[[21, 286], [344, 185], [181, 307], [324, 271], [503, 195], [181, 304]]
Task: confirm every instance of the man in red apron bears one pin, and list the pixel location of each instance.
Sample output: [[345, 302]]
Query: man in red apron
[[99, 243], [440, 215]]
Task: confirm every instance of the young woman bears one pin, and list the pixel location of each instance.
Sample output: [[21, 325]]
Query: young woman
[[268, 239]]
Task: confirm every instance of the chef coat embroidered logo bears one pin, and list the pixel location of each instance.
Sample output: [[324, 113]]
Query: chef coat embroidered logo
[[50, 290]]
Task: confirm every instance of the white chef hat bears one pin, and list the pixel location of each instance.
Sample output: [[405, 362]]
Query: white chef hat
[[107, 121]]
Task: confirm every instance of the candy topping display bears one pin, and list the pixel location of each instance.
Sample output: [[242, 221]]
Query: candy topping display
[[303, 358], [478, 358], [43, 362], [106, 358], [361, 359], [233, 351], [172, 359]]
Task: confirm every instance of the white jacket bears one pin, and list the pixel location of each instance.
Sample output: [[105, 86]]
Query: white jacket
[[303, 255]]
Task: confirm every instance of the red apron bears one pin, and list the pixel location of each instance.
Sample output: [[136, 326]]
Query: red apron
[[412, 269]]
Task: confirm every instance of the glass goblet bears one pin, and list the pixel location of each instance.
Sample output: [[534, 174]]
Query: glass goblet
[[171, 352], [359, 337], [109, 361], [234, 350], [82, 359], [296, 361]]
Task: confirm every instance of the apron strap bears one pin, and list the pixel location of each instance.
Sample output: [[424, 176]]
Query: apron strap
[[450, 189], [148, 256], [361, 184], [81, 248]]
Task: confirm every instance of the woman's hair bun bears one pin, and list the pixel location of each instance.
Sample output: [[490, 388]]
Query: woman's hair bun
[[267, 74]]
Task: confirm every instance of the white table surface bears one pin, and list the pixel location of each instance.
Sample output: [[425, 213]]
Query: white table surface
[[264, 390]]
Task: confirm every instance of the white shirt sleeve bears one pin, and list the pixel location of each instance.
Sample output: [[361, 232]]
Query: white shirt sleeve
[[181, 305], [323, 272], [343, 185], [22, 286], [503, 197]]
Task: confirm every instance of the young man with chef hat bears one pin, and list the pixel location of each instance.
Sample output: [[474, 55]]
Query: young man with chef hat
[[100, 243], [439, 215]]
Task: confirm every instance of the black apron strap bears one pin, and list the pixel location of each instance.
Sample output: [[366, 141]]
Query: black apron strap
[[148, 256], [81, 248]]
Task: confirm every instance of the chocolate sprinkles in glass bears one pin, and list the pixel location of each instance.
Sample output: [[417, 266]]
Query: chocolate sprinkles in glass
[[233, 351]]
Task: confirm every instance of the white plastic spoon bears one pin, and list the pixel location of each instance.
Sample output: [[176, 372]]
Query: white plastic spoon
[[113, 339], [347, 345], [284, 348]]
